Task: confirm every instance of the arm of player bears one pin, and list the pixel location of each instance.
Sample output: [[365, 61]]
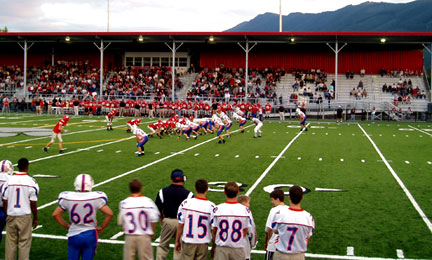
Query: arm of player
[[269, 234], [33, 207], [178, 237], [108, 216], [154, 225], [5, 206], [57, 215], [213, 249]]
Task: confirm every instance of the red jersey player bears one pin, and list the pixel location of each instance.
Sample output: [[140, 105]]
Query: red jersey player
[[58, 129], [109, 119]]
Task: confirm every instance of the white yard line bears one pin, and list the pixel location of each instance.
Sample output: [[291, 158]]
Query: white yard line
[[261, 252], [272, 164], [65, 134], [424, 132], [142, 167], [28, 121], [79, 150], [404, 188], [119, 234]]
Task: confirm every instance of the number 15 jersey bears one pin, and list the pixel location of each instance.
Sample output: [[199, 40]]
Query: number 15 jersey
[[82, 208]]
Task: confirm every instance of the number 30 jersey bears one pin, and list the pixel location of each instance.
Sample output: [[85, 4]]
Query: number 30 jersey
[[137, 214], [230, 219], [82, 208], [195, 214]]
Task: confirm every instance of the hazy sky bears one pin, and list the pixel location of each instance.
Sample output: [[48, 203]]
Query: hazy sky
[[149, 15]]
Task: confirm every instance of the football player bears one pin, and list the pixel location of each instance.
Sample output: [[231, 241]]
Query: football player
[[141, 138], [220, 127], [58, 129], [257, 129], [302, 117], [132, 124], [242, 121], [109, 118], [82, 206]]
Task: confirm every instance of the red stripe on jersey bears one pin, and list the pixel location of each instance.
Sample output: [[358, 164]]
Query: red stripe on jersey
[[296, 209], [229, 202]]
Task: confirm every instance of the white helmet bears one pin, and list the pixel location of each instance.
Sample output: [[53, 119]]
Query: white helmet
[[6, 167], [298, 111], [83, 182]]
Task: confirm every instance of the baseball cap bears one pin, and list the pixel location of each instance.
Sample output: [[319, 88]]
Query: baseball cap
[[177, 176]]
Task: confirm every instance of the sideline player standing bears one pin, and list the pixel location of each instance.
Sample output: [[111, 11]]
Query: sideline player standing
[[302, 117], [6, 169], [168, 201], [194, 227], [278, 200], [257, 129], [58, 129], [109, 119], [231, 221], [294, 226], [139, 216], [20, 201], [82, 206], [250, 237]]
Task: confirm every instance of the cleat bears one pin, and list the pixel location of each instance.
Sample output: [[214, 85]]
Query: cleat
[[242, 131], [255, 137], [259, 136], [61, 151], [196, 137], [305, 129], [219, 142], [223, 141], [45, 149], [128, 131], [160, 137]]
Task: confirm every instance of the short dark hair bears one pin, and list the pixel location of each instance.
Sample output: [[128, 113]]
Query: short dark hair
[[278, 194], [201, 185], [23, 164], [296, 194], [231, 189], [243, 198], [135, 185]]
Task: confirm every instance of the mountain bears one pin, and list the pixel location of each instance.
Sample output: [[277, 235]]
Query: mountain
[[415, 16]]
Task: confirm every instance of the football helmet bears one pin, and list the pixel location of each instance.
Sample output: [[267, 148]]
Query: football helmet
[[298, 111], [66, 118], [138, 121], [83, 182], [6, 167]]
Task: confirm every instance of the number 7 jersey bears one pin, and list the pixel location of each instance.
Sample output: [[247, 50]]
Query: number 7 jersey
[[82, 208]]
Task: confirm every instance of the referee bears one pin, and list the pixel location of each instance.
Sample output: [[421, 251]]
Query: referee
[[168, 201]]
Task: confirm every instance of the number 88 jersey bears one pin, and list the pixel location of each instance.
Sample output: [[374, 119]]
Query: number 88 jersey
[[231, 219], [82, 208]]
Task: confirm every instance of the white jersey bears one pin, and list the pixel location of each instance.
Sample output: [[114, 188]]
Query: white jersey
[[294, 227], [196, 214], [217, 120], [19, 190], [226, 119], [200, 120], [3, 179], [231, 219], [139, 131], [257, 121], [82, 208], [271, 247], [136, 215]]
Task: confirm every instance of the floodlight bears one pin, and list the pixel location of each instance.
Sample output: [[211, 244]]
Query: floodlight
[[211, 39], [67, 39], [140, 38], [383, 40], [292, 40]]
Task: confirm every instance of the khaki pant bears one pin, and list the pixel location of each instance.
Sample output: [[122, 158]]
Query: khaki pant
[[19, 234], [168, 231], [282, 116], [194, 251], [140, 244], [282, 256], [229, 253]]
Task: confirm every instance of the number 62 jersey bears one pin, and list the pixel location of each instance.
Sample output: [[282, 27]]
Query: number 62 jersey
[[82, 208]]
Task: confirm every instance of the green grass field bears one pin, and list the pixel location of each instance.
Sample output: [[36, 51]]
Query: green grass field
[[373, 214]]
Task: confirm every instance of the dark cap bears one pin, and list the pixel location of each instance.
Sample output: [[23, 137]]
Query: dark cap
[[177, 176]]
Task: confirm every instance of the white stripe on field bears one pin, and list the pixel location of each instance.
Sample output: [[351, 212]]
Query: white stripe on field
[[404, 188], [65, 134], [350, 250], [119, 234], [261, 252], [273, 164], [420, 130], [79, 150], [400, 253], [142, 167], [47, 119]]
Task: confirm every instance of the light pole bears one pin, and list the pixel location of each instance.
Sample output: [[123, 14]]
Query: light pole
[[108, 16], [280, 15]]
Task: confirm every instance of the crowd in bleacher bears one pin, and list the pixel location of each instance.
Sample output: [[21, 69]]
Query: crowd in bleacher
[[11, 76], [311, 84]]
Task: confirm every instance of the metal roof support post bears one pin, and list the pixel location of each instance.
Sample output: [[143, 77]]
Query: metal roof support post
[[25, 49], [173, 75], [280, 15], [336, 50], [247, 50], [101, 49], [430, 52]]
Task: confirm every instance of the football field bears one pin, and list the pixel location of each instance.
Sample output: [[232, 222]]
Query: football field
[[368, 185]]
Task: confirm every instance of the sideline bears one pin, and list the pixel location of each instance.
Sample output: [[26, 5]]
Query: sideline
[[424, 132], [402, 185], [273, 164], [145, 166]]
